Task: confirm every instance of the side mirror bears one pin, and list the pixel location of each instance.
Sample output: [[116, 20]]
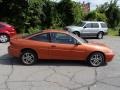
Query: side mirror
[[77, 43], [84, 27]]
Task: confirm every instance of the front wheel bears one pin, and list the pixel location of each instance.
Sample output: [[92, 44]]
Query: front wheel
[[29, 57], [96, 59]]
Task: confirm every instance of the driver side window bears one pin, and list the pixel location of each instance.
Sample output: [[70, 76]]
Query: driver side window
[[62, 38], [88, 25]]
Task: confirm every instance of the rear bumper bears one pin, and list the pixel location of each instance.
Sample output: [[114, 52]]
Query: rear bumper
[[109, 56], [13, 52], [12, 34]]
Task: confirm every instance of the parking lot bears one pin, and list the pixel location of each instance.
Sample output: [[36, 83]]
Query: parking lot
[[57, 75]]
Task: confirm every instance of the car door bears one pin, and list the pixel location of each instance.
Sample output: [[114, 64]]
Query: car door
[[41, 44], [63, 47], [86, 30], [94, 29], [90, 29]]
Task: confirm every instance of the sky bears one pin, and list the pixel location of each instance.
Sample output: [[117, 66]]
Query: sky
[[93, 3]]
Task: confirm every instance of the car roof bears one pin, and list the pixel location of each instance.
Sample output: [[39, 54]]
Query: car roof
[[46, 31], [93, 21], [5, 24], [53, 30]]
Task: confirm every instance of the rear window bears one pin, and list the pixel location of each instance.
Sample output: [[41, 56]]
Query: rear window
[[103, 25]]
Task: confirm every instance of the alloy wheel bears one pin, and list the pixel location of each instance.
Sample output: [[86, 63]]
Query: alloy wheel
[[96, 59], [3, 38], [28, 58]]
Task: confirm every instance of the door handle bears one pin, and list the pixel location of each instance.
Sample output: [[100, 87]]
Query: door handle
[[53, 46]]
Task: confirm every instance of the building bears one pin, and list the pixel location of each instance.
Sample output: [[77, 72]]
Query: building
[[86, 7]]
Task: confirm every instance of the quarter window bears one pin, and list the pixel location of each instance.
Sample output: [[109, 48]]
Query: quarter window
[[41, 37], [103, 25]]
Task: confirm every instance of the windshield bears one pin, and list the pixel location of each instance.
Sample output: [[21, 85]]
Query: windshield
[[81, 24], [79, 39]]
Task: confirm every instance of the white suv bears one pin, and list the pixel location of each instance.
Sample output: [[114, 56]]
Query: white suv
[[89, 29]]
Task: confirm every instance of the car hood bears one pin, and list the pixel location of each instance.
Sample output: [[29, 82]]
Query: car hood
[[74, 27], [98, 43], [97, 46]]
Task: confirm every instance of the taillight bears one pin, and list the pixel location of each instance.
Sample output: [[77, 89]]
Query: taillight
[[11, 29]]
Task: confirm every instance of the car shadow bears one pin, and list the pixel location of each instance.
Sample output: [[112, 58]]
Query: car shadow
[[8, 60]]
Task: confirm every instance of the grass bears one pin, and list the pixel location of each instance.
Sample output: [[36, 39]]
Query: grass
[[113, 32]]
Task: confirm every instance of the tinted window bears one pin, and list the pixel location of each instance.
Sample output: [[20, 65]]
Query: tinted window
[[103, 25], [88, 25], [95, 25], [41, 37], [62, 38]]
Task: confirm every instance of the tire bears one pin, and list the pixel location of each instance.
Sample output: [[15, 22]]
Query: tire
[[76, 33], [4, 38], [100, 35], [96, 59], [28, 57]]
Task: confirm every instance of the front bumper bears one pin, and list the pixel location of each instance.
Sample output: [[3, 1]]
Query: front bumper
[[109, 56]]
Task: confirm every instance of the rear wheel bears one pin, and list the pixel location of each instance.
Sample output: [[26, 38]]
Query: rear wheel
[[96, 59], [100, 35], [4, 38], [76, 33], [29, 57]]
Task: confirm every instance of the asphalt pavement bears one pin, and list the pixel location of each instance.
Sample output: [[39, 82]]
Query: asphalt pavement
[[57, 75]]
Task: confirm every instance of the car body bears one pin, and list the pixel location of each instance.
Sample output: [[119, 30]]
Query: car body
[[57, 45], [89, 29], [6, 31]]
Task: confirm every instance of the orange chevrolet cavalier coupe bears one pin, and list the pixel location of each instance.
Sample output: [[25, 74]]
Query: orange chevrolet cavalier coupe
[[58, 45]]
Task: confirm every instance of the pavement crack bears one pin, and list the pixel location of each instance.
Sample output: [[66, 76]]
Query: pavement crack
[[8, 76], [109, 84], [58, 84], [53, 69], [88, 85]]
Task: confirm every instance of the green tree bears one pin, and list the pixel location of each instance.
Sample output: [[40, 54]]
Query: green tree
[[77, 12], [51, 18], [96, 16], [113, 14], [12, 11], [65, 10], [102, 8]]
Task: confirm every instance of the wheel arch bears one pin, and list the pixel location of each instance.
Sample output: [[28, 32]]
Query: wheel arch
[[101, 32], [95, 52], [29, 49]]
